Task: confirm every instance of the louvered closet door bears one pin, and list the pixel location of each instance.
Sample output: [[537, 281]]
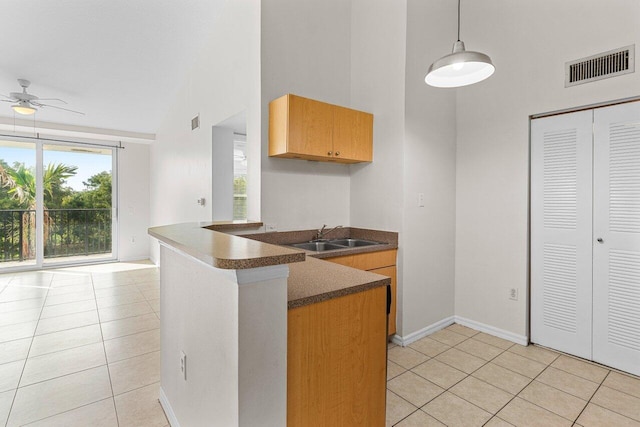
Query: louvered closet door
[[616, 260], [561, 227]]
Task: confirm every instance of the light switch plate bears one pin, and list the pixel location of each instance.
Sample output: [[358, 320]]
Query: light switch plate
[[183, 365]]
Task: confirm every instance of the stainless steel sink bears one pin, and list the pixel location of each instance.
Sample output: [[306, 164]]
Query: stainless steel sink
[[353, 243], [329, 245], [317, 246]]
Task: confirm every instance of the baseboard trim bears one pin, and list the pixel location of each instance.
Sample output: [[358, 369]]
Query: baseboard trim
[[435, 327], [415, 336], [168, 411], [500, 333]]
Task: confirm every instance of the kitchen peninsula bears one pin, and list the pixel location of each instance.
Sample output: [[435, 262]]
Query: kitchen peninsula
[[258, 334]]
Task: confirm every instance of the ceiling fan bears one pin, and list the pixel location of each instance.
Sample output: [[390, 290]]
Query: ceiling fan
[[26, 103]]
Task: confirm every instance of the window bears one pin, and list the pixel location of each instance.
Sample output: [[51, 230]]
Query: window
[[239, 176]]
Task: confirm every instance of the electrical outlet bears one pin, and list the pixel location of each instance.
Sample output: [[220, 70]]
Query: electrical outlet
[[421, 200], [133, 239], [183, 365], [271, 228], [513, 294]]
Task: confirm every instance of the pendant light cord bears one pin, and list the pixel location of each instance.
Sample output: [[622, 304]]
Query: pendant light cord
[[458, 20]]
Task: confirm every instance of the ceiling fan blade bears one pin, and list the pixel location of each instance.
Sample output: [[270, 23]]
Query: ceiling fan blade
[[59, 108], [7, 100], [8, 97], [52, 99]]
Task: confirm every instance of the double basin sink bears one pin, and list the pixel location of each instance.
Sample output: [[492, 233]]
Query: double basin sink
[[329, 245]]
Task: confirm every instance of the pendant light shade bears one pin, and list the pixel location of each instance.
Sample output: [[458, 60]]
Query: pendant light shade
[[461, 67]]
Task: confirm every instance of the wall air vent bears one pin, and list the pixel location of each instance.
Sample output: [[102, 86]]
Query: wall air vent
[[195, 122], [601, 66]]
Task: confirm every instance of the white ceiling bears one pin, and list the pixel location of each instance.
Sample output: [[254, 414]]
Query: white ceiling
[[119, 61]]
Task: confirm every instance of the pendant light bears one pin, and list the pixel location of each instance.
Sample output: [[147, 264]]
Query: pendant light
[[461, 67]]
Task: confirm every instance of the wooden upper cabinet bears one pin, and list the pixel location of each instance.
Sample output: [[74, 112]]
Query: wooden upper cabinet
[[302, 128], [352, 134]]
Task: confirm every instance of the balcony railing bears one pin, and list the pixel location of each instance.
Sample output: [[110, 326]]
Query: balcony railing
[[67, 232]]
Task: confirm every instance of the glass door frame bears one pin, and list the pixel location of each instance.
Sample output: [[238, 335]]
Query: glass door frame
[[39, 229]]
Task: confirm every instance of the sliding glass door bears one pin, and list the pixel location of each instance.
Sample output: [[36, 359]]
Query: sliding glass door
[[57, 204], [17, 204]]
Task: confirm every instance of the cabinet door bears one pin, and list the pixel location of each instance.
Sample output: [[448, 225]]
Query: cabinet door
[[352, 134], [561, 221], [336, 361], [390, 272], [616, 225], [310, 127]]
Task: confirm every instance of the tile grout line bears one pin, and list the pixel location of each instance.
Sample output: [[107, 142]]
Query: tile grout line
[[594, 393], [588, 401], [486, 363], [104, 349], [547, 365], [61, 376], [467, 375], [609, 409], [402, 398], [64, 412], [528, 384], [569, 373], [471, 374], [13, 401]]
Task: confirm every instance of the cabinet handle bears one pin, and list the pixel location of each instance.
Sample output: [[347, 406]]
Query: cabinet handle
[[600, 240], [330, 153], [337, 153]]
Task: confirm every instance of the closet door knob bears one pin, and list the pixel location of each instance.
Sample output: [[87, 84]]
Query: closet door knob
[[329, 153], [600, 240], [337, 153]]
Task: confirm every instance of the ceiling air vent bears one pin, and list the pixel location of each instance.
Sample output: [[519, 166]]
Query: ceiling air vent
[[601, 66]]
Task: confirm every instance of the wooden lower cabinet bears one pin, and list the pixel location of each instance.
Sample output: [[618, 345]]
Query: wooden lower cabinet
[[381, 262], [336, 361], [390, 272]]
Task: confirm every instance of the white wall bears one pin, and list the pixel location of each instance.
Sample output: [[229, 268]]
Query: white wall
[[529, 44], [465, 149], [305, 51], [378, 42], [225, 81], [353, 53], [133, 201], [236, 371], [428, 233], [378, 39]]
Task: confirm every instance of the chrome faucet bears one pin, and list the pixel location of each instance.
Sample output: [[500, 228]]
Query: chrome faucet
[[321, 233]]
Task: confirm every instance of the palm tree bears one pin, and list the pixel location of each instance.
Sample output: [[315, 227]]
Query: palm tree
[[24, 190], [5, 179]]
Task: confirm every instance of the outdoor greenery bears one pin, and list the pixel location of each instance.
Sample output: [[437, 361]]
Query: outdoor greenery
[[75, 222], [240, 197]]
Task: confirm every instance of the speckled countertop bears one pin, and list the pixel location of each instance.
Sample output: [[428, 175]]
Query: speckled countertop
[[315, 281], [223, 250], [310, 280]]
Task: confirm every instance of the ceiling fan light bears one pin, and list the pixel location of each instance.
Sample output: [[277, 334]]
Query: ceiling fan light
[[23, 108], [460, 68]]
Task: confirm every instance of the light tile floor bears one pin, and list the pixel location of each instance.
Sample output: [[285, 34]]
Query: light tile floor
[[80, 347], [461, 377]]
